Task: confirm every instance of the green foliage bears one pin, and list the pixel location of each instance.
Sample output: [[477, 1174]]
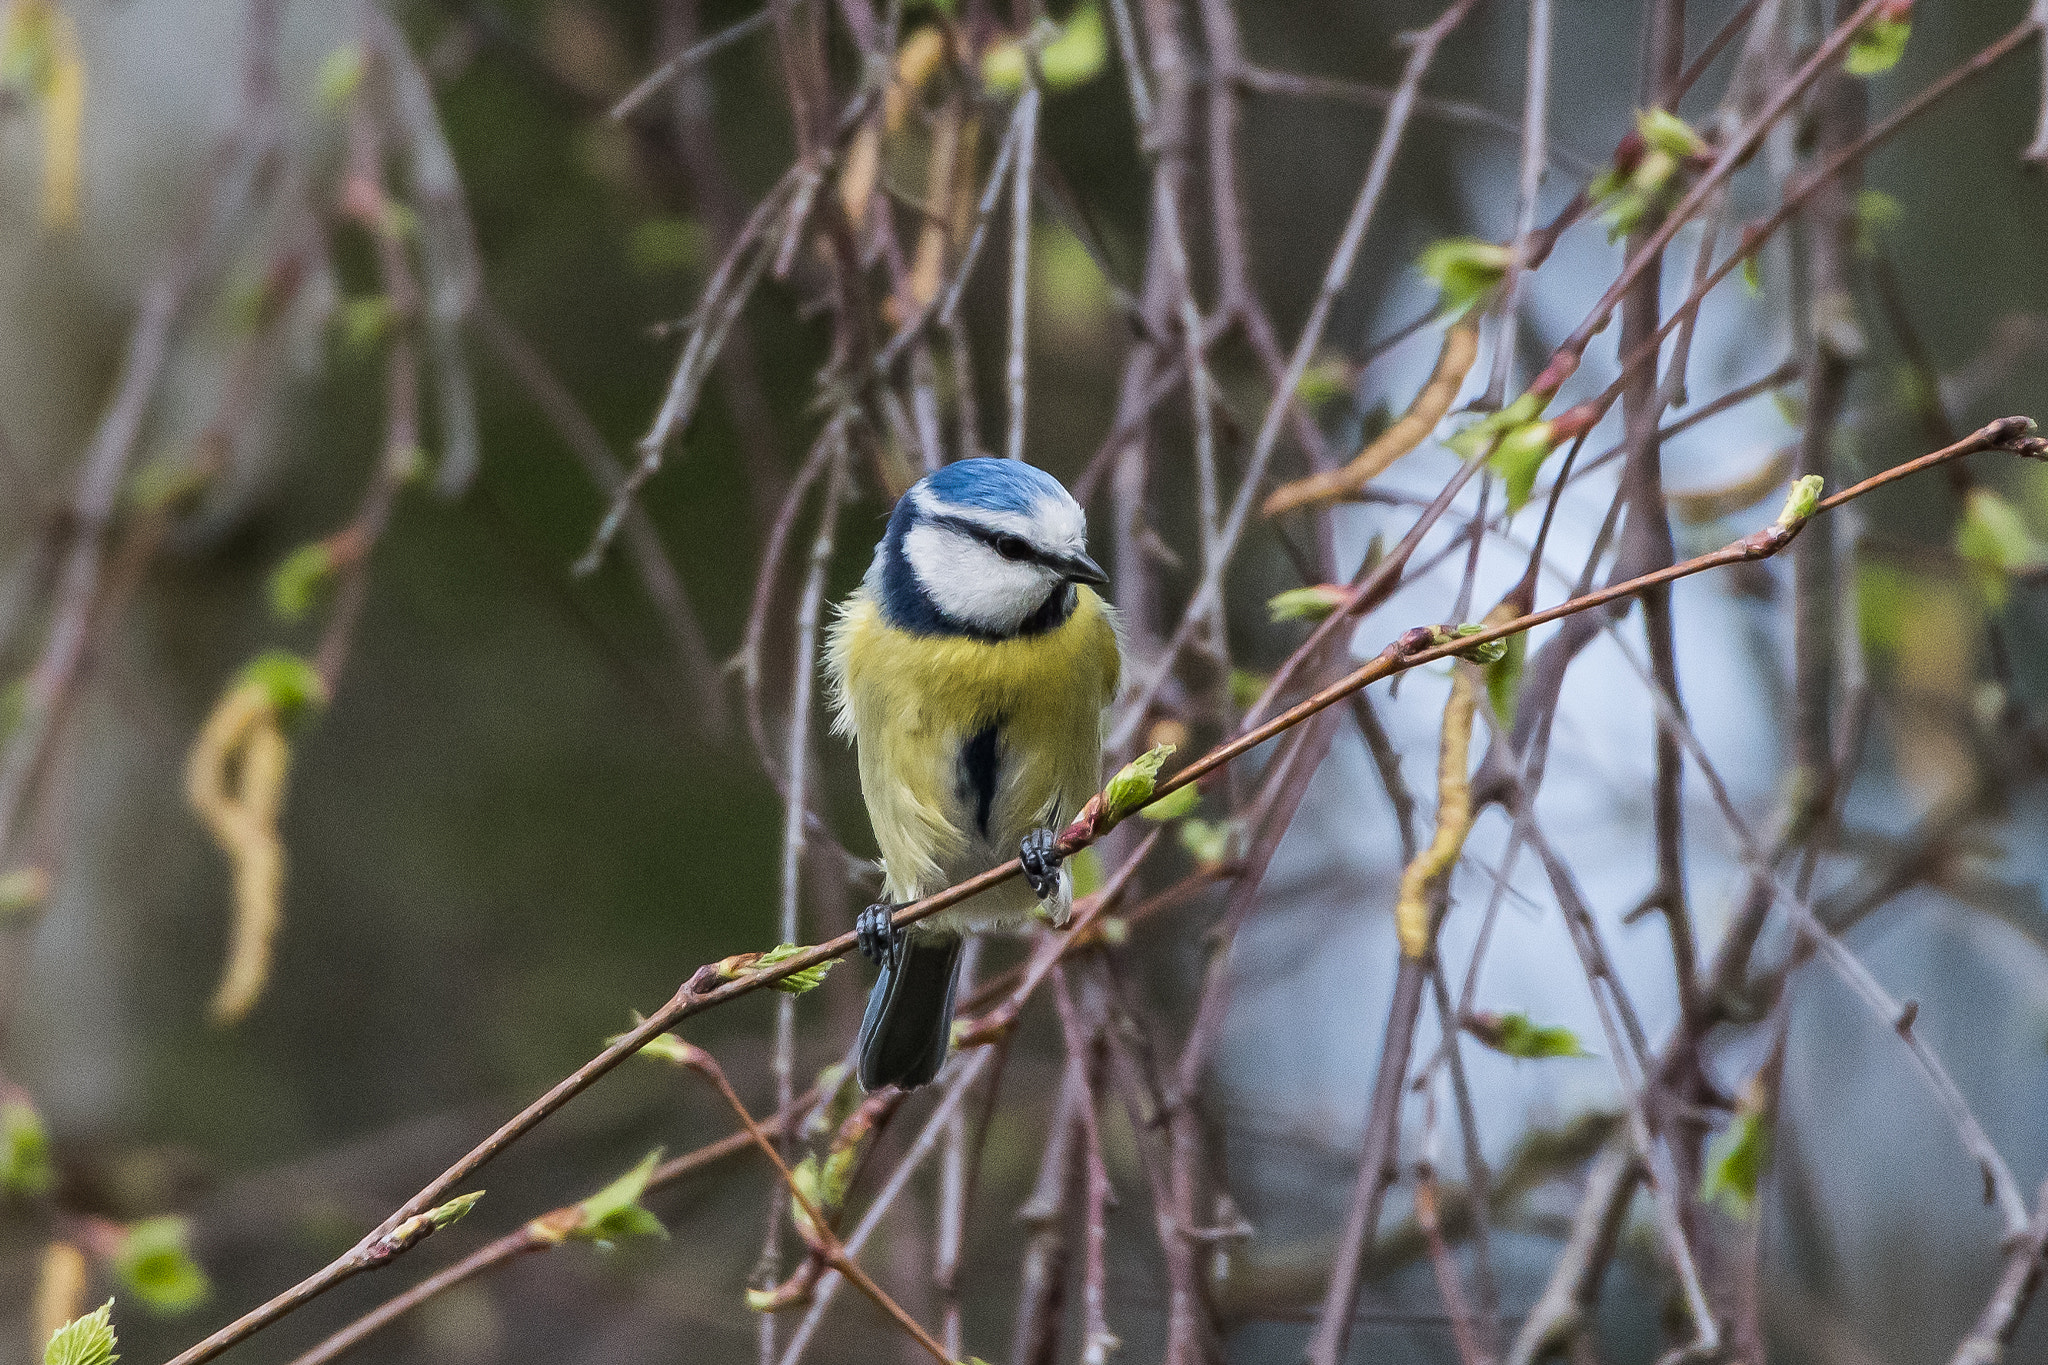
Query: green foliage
[[1504, 676], [1084, 869], [154, 1263], [84, 1341], [667, 245], [1306, 604], [1877, 213], [1519, 458], [614, 1213], [1246, 687], [1752, 276], [1880, 43], [1491, 652], [796, 983], [1071, 55], [1207, 841], [1995, 543], [1328, 377], [444, 1215], [293, 685], [1669, 133], [1466, 270], [1800, 500], [1174, 804], [1735, 1164], [298, 582], [25, 1166], [1516, 1035], [1882, 592], [1131, 788]]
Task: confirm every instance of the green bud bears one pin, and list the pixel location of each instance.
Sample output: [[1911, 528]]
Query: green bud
[[796, 983], [1131, 788], [1491, 652], [1306, 604], [293, 684], [1801, 499], [1735, 1164], [1519, 458], [1669, 133], [299, 581], [1207, 841], [1879, 44], [1466, 270], [1516, 1035], [339, 77]]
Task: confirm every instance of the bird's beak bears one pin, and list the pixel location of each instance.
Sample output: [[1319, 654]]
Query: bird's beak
[[1079, 568]]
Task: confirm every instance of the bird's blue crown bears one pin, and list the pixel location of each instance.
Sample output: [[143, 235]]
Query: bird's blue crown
[[994, 485]]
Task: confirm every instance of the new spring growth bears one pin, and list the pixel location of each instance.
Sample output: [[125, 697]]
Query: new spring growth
[[1069, 54], [796, 983], [235, 781], [1306, 604], [1645, 170], [25, 1166], [1131, 789], [1466, 271], [1738, 1157], [153, 1261], [1881, 41], [86, 1341], [1517, 1035], [421, 1226], [611, 1215], [1517, 440]]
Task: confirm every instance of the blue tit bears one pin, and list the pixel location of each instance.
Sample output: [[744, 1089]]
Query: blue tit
[[971, 669]]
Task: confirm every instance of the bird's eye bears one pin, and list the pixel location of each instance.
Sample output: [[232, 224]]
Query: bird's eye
[[1013, 547]]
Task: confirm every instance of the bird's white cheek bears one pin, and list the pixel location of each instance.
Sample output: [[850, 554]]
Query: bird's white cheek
[[971, 583]]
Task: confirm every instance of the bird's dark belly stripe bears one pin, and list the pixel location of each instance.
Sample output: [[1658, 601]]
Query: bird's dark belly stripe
[[979, 758]]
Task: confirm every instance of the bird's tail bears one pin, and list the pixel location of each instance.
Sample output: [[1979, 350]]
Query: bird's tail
[[909, 1018]]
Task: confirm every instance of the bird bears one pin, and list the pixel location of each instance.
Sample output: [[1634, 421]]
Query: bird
[[972, 670]]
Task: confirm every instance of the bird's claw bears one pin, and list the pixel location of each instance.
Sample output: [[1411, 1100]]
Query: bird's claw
[[1040, 854], [876, 934]]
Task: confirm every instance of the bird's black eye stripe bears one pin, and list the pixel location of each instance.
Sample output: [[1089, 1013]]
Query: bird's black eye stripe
[[1013, 547]]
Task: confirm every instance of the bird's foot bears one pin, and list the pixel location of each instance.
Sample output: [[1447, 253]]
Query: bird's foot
[[1041, 856], [876, 934]]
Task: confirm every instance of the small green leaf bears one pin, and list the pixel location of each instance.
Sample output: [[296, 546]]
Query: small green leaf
[[1519, 458], [1306, 604], [1482, 436], [1882, 594], [25, 1166], [1669, 133], [1995, 542], [662, 1047], [1491, 652], [1504, 676], [1329, 377], [1877, 213], [166, 482], [1465, 269], [1516, 1035], [796, 983], [154, 1262], [1735, 1165], [1174, 804], [1207, 841], [300, 580], [340, 75], [1800, 500], [1084, 868], [84, 1341], [1752, 276], [665, 246], [1879, 44], [1131, 788], [1246, 687], [1077, 55], [614, 1212], [293, 684]]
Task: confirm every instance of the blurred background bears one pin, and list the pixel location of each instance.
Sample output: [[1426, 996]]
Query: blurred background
[[531, 805]]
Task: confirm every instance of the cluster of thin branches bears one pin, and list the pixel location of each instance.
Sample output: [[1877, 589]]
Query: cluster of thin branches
[[897, 393]]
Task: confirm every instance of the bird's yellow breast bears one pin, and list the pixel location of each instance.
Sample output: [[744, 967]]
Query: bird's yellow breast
[[911, 702]]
